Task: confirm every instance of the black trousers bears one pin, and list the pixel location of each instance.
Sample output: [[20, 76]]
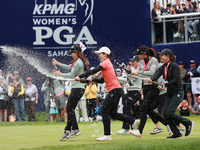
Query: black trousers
[[30, 110], [109, 109], [129, 100], [74, 97], [91, 107], [170, 105], [149, 104]]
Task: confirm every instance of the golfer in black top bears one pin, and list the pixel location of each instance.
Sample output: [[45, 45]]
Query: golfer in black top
[[171, 73]]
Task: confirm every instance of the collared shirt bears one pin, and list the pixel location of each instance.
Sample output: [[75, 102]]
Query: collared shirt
[[31, 92], [173, 78]]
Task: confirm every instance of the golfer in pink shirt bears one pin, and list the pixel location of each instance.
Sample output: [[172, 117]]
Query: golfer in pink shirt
[[110, 105]]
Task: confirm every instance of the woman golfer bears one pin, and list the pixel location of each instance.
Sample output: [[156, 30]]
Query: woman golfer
[[110, 105], [171, 73], [79, 65]]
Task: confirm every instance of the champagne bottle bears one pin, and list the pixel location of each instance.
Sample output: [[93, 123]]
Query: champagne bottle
[[158, 85], [127, 70], [82, 80], [55, 67]]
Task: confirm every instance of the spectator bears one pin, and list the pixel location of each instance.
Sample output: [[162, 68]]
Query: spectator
[[198, 69], [196, 108], [133, 95], [17, 76], [46, 90], [1, 73], [10, 102], [3, 100], [118, 72], [168, 9], [192, 23], [91, 98], [178, 5], [53, 109], [184, 108], [183, 71], [82, 106], [58, 90], [191, 72], [158, 11], [31, 99], [172, 25], [18, 99], [180, 23]]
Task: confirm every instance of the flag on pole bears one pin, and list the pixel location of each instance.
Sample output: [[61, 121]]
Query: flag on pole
[[82, 46]]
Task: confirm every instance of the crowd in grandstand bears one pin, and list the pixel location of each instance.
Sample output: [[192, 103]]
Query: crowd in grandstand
[[175, 28]]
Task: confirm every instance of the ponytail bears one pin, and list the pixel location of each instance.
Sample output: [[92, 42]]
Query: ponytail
[[151, 52], [85, 60]]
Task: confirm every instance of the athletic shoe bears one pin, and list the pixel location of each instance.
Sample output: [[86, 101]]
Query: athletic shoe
[[105, 138], [169, 130], [156, 130], [194, 35], [66, 133], [177, 34], [181, 130], [73, 133], [90, 119], [136, 133], [136, 124], [174, 137], [189, 128], [123, 131]]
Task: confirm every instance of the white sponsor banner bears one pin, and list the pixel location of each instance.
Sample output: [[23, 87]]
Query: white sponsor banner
[[196, 85]]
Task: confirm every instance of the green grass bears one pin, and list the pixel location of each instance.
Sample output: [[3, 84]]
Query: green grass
[[43, 135]]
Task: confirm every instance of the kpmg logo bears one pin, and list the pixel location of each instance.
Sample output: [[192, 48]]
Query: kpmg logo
[[62, 23]]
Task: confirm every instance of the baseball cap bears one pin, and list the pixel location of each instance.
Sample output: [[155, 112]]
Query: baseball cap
[[166, 52], [135, 58], [103, 50], [181, 63], [16, 72], [174, 5], [183, 3], [14, 78], [28, 79], [141, 50], [118, 70], [75, 48], [192, 62]]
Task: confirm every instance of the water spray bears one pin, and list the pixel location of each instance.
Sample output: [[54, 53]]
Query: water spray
[[36, 63]]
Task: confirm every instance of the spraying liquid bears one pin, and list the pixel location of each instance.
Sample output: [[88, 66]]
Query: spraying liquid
[[28, 56]]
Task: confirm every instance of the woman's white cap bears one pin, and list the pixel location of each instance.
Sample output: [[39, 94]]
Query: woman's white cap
[[103, 50]]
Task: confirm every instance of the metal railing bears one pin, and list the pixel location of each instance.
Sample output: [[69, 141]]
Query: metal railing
[[175, 18]]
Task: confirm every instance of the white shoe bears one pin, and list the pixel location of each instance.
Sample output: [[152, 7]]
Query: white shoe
[[136, 133], [177, 34], [194, 35], [105, 138], [136, 124], [181, 130], [90, 119], [156, 130], [123, 131], [169, 130]]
